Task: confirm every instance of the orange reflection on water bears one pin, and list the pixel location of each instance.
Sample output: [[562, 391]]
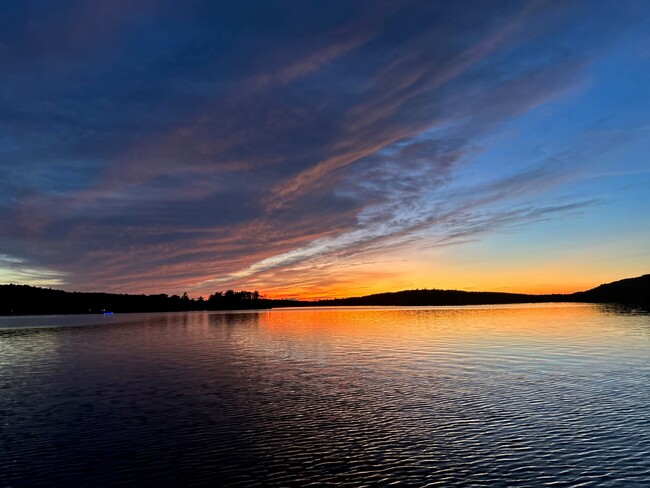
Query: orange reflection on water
[[537, 329], [559, 320]]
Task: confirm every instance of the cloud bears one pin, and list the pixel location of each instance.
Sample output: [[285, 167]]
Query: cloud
[[163, 149], [15, 270]]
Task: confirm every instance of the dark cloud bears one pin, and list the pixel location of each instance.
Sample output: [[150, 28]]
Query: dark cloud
[[163, 145]]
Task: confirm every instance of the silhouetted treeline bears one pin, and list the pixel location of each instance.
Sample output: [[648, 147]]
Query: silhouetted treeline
[[236, 300], [629, 290], [29, 300], [441, 297]]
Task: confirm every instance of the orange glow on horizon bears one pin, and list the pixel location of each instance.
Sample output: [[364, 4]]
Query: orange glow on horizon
[[543, 279]]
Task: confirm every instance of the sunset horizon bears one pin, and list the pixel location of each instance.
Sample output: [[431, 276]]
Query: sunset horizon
[[314, 296]]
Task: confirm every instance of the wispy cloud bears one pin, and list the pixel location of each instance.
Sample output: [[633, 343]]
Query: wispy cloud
[[155, 147], [15, 270]]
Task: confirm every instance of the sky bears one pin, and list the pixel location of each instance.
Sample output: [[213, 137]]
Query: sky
[[332, 148]]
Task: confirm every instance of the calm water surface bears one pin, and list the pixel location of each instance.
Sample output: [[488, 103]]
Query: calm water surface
[[482, 396]]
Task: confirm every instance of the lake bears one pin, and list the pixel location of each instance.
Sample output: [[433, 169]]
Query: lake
[[545, 394]]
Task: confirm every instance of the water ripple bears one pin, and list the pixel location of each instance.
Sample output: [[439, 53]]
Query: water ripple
[[482, 396]]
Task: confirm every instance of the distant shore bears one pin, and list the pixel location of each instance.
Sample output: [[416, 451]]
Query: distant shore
[[29, 300]]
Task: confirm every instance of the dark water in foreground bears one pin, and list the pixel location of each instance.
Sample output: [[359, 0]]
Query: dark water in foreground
[[518, 395]]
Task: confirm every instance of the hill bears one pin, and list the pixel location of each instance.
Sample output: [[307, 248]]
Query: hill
[[441, 297], [630, 290]]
